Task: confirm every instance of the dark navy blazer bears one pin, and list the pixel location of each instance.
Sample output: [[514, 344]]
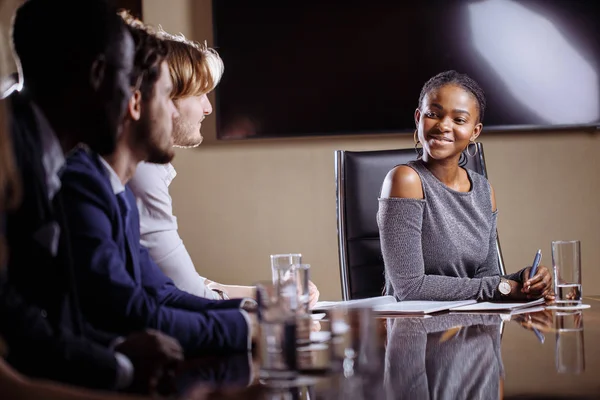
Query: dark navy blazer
[[121, 288], [40, 317]]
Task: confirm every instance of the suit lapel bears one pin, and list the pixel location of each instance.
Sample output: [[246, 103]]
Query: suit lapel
[[132, 264], [128, 244]]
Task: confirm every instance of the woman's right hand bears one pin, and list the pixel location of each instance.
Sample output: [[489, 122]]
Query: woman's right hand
[[539, 285], [516, 291]]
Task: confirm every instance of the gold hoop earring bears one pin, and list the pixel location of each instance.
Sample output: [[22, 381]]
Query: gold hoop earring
[[476, 148], [417, 141]]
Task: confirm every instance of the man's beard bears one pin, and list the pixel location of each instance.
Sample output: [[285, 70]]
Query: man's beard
[[185, 134], [154, 152], [160, 156]]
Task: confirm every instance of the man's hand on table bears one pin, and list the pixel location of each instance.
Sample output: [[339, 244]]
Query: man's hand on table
[[155, 358]]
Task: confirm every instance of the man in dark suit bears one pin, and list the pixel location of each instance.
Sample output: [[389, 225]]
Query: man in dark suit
[[77, 74], [122, 289]]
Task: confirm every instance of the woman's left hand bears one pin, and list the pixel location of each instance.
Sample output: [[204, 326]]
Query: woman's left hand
[[313, 293], [539, 285]]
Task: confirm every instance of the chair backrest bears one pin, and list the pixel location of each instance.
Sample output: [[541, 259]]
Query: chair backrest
[[359, 176]]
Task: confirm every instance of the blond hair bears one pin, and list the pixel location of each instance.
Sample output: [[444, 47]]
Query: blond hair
[[195, 68]]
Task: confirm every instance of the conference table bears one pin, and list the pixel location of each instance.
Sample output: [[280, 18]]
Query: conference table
[[541, 355]]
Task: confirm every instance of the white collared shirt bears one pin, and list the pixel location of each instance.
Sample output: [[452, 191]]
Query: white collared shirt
[[115, 181], [158, 228]]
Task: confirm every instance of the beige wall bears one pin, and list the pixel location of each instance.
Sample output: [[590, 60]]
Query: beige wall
[[7, 61], [238, 202]]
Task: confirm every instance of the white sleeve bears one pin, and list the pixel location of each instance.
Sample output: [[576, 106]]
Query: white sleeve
[[158, 228], [125, 371]]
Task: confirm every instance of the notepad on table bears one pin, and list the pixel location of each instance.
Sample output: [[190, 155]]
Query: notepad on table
[[501, 307]]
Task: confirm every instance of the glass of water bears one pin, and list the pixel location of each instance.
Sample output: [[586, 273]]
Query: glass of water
[[303, 278], [282, 266], [566, 263], [277, 319], [303, 317], [288, 270]]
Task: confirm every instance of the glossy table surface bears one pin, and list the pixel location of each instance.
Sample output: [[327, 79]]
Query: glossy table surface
[[446, 356]]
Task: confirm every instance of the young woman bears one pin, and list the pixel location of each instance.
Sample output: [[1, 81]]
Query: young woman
[[437, 220]]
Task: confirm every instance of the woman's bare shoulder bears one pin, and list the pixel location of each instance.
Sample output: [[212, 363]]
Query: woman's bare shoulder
[[402, 182]]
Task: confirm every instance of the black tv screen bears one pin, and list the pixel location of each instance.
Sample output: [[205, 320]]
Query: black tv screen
[[318, 67]]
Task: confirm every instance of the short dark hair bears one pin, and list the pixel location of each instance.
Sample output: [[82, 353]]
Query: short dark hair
[[455, 78], [150, 52], [57, 41]]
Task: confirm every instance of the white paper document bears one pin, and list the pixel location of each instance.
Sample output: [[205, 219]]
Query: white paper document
[[416, 307], [487, 306], [387, 305], [369, 302]]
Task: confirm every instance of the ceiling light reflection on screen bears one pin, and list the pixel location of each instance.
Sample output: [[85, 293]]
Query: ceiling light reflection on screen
[[538, 65]]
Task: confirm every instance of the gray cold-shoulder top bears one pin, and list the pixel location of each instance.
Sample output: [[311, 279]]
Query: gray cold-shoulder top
[[441, 247]]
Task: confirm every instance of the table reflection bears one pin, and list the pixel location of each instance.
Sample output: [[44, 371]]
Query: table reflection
[[567, 327], [444, 357], [235, 371], [449, 356]]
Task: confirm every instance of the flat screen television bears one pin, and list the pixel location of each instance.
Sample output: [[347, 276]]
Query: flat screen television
[[322, 67]]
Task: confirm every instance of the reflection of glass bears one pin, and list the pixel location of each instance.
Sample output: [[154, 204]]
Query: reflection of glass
[[569, 350], [444, 357], [357, 354], [355, 341], [566, 262], [277, 342]]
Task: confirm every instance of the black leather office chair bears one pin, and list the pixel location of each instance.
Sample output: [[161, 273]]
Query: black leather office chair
[[359, 176]]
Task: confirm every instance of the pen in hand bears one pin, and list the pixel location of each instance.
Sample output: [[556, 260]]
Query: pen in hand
[[535, 264]]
